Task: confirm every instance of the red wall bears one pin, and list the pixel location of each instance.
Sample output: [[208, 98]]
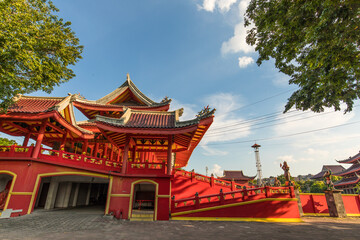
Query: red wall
[[316, 203], [266, 209], [27, 173]]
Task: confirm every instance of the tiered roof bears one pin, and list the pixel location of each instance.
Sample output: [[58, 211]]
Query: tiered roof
[[235, 175], [335, 169], [125, 111], [116, 102], [352, 159]]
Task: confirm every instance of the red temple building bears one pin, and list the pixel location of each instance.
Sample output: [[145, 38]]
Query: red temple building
[[126, 157], [350, 175], [237, 176]]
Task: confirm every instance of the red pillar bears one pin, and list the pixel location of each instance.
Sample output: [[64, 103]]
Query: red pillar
[[125, 156], [118, 155], [111, 153], [85, 146], [63, 142], [169, 154], [39, 139], [96, 149], [26, 140]]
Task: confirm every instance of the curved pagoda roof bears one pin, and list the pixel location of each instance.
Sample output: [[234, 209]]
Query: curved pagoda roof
[[352, 159], [149, 131], [116, 102]]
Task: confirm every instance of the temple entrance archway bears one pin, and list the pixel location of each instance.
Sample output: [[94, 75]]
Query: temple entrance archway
[[143, 200], [6, 180], [70, 191]]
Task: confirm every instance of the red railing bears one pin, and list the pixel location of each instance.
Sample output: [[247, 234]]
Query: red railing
[[146, 168], [79, 160], [59, 156], [211, 180], [15, 151], [222, 198]]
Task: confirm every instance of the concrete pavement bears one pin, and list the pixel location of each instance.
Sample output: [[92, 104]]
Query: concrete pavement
[[88, 223]]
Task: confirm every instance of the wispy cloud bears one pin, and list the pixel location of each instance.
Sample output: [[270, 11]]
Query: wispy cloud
[[245, 61], [216, 170], [225, 117], [222, 5], [237, 43]]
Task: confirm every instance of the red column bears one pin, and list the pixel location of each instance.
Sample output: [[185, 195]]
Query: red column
[[96, 149], [63, 142], [125, 156], [111, 153], [118, 156], [85, 146], [26, 140], [169, 154], [39, 139]]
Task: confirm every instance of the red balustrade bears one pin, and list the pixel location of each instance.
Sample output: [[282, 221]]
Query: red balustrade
[[146, 168], [80, 160], [213, 181], [15, 151]]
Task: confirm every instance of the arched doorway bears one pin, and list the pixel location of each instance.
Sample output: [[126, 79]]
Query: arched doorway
[[5, 185], [144, 201]]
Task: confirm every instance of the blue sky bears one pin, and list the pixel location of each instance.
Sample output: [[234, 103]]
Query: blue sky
[[194, 52]]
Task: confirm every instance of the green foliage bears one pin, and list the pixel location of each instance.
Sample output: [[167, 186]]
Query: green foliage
[[314, 42], [317, 187], [7, 142], [36, 48]]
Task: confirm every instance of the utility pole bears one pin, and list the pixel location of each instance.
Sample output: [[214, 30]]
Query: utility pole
[[258, 163]]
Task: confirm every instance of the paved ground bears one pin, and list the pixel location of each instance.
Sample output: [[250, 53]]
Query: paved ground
[[88, 223]]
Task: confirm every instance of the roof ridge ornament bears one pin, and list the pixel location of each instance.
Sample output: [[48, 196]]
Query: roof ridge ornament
[[128, 77], [205, 112]]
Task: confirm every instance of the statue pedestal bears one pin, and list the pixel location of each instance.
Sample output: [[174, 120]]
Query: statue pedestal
[[335, 203], [297, 195]]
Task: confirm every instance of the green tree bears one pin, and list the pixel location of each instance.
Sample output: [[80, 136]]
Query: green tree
[[36, 48], [317, 187], [314, 42], [7, 142]]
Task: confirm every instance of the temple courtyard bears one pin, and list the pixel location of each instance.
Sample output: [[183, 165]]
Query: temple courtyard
[[89, 223]]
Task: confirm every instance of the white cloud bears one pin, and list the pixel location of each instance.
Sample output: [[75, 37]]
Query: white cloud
[[189, 109], [213, 152], [245, 61], [225, 117], [237, 43], [222, 5], [216, 170]]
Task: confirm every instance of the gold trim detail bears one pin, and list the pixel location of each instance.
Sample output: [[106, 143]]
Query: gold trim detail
[[11, 187], [237, 219], [20, 193], [120, 195]]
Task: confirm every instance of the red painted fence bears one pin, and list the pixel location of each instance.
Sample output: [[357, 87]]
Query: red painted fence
[[82, 161]]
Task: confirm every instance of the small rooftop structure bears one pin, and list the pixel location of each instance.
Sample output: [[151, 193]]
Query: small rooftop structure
[[237, 176], [335, 169]]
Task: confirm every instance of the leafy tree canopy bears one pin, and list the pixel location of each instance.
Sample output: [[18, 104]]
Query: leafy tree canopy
[[314, 42], [7, 142], [36, 48]]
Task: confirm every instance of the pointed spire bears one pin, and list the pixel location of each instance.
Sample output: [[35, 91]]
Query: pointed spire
[[128, 77]]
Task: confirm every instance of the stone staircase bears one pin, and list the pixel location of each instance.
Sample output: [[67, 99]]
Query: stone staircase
[[142, 215]]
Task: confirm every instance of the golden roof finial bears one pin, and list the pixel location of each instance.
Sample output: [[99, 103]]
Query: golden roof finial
[[127, 77]]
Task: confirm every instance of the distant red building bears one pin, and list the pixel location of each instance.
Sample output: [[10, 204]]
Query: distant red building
[[237, 177], [350, 175], [335, 169]]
